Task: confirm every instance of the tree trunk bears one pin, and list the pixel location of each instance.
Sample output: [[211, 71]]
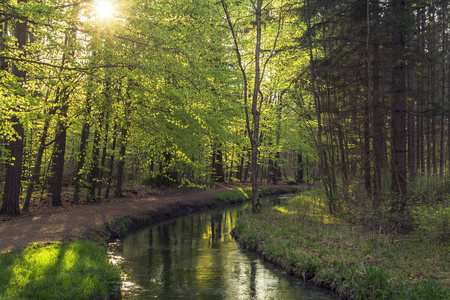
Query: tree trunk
[[318, 113], [121, 162], [220, 174], [12, 189], [11, 194], [37, 165], [103, 160], [377, 126], [81, 158], [111, 163], [399, 175], [443, 100], [94, 172], [300, 168], [57, 168]]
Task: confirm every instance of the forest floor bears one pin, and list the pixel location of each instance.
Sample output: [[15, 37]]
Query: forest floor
[[44, 223]]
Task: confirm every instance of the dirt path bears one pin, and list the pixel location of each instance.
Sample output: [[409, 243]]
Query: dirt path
[[60, 225]]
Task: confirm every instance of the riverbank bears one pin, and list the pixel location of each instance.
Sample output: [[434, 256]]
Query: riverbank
[[302, 238], [48, 234]]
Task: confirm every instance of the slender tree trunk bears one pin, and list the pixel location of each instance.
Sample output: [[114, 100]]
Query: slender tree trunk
[[57, 169], [220, 174], [37, 165], [433, 128], [411, 129], [94, 172], [103, 160], [399, 175], [443, 100], [254, 136], [366, 146], [300, 168], [111, 163], [82, 155], [121, 162], [377, 125], [318, 112]]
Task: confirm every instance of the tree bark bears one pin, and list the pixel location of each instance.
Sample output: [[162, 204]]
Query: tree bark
[[11, 195], [57, 168], [37, 165], [399, 175], [94, 172], [82, 154], [111, 163], [300, 168], [121, 162], [103, 159]]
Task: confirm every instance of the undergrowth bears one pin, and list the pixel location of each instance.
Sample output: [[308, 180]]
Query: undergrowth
[[305, 239]]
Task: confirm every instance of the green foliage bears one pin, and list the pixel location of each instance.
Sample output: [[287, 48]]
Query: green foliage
[[433, 220], [69, 270]]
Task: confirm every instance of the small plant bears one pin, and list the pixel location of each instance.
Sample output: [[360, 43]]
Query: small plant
[[373, 284], [433, 221]]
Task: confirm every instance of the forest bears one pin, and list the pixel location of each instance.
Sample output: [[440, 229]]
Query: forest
[[345, 102], [97, 95]]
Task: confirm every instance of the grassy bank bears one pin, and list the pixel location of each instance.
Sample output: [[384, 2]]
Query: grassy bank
[[301, 237], [69, 270], [241, 195]]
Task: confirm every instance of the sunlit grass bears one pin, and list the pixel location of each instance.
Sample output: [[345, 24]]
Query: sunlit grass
[[301, 236], [70, 270]]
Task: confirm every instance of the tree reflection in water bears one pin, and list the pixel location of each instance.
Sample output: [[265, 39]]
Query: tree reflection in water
[[195, 257]]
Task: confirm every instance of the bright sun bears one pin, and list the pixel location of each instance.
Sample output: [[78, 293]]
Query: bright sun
[[104, 8]]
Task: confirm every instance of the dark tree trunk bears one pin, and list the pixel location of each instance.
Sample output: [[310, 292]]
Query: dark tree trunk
[[3, 32], [103, 160], [12, 189], [300, 168], [411, 131], [111, 163], [399, 175], [443, 100], [121, 162], [220, 174], [378, 129], [94, 172], [11, 194], [37, 165], [81, 158], [57, 169]]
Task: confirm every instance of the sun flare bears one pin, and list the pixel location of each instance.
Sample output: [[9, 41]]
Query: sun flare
[[104, 8]]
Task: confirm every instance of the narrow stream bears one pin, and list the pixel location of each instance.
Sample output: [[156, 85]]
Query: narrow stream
[[195, 257]]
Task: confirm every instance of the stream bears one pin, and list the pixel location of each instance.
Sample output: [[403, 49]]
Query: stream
[[195, 257]]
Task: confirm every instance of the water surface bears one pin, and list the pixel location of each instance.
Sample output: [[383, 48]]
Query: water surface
[[195, 257]]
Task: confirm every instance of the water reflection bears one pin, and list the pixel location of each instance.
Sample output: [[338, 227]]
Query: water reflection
[[196, 258]]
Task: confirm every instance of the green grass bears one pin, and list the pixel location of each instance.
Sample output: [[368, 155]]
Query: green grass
[[304, 239], [69, 270], [241, 195]]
